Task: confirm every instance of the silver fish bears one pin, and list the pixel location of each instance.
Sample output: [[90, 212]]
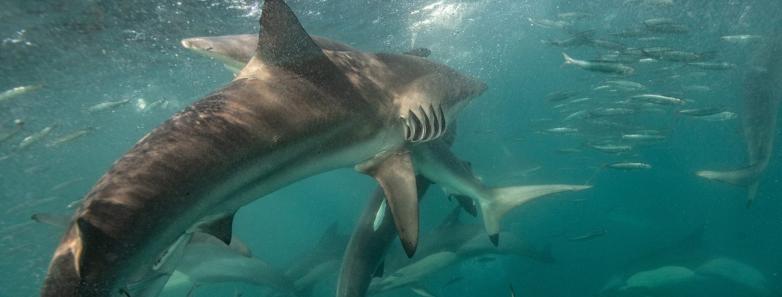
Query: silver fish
[[611, 68]]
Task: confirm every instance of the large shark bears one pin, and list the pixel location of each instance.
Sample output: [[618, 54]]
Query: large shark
[[375, 229], [295, 110], [763, 92]]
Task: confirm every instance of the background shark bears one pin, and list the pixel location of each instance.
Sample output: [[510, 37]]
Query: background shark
[[449, 244], [763, 92], [293, 111]]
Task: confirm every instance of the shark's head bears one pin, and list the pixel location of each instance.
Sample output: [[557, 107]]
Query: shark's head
[[232, 50], [430, 104]]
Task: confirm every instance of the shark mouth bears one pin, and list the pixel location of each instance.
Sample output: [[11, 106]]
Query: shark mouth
[[425, 124]]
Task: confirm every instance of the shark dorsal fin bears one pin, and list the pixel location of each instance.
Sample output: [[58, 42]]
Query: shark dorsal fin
[[283, 41]]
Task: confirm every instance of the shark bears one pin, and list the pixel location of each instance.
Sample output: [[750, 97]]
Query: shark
[[294, 111], [762, 94], [375, 229], [450, 243]]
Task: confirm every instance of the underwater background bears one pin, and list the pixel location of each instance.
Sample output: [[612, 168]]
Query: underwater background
[[82, 53]]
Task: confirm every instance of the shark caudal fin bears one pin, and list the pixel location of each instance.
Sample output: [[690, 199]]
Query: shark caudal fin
[[568, 60], [499, 201], [746, 177]]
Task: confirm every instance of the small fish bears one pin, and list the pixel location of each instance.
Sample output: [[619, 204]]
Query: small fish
[[579, 100], [546, 23], [607, 44], [697, 88], [618, 57], [659, 3], [612, 148], [665, 26], [604, 88], [629, 165], [631, 33], [683, 56], [18, 125], [69, 137], [741, 39], [569, 16], [562, 130], [107, 105], [568, 151], [699, 112], [154, 105], [659, 99], [529, 171], [35, 137], [651, 39], [611, 111], [655, 52], [643, 137], [611, 68], [626, 85], [560, 96], [719, 117], [576, 115], [512, 291], [589, 235], [570, 42], [421, 291], [65, 184], [713, 65], [17, 91]]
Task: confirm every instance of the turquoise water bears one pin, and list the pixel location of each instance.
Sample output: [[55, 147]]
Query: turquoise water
[[88, 52]]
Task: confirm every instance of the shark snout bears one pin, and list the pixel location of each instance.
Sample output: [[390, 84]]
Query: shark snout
[[474, 87], [481, 87]]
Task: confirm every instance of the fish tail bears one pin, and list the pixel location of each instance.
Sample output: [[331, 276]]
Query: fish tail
[[498, 201]]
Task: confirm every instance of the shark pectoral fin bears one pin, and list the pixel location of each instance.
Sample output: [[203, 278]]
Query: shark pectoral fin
[[747, 177], [56, 220], [380, 269], [499, 201], [396, 176], [467, 203], [740, 177], [222, 228]]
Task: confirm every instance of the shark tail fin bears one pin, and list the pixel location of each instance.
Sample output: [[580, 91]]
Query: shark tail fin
[[568, 60], [498, 201]]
